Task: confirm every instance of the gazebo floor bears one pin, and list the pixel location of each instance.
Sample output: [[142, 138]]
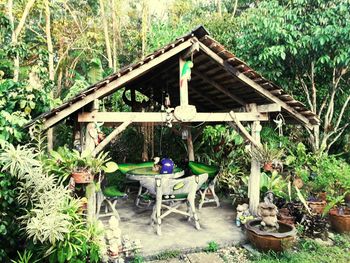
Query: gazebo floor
[[217, 224]]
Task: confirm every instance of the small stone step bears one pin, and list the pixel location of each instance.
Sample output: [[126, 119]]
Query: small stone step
[[204, 258]]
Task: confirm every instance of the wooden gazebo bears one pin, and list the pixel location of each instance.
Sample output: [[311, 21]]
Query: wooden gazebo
[[206, 83]]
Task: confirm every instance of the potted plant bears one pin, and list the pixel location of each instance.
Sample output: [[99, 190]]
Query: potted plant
[[86, 166], [269, 157], [339, 214]]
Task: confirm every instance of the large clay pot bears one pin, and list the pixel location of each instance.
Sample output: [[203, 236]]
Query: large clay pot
[[265, 241], [317, 207], [340, 223], [82, 177]]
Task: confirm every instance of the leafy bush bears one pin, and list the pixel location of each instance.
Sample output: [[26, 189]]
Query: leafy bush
[[212, 247], [9, 232], [52, 222]]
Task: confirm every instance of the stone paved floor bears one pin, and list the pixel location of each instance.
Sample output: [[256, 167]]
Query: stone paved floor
[[177, 233]]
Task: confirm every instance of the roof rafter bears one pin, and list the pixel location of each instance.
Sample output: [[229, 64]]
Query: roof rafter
[[254, 85], [115, 84], [218, 86]]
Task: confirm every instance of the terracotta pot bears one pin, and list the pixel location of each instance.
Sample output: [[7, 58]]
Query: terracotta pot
[[340, 223], [347, 198], [285, 217], [322, 196], [82, 177], [317, 207], [268, 167], [266, 241]]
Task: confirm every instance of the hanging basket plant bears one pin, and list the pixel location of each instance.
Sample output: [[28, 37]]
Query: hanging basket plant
[[83, 177], [86, 166], [269, 157]]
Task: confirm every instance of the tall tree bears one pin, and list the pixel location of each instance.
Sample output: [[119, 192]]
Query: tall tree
[[304, 46], [144, 25], [16, 31], [106, 34], [49, 40]]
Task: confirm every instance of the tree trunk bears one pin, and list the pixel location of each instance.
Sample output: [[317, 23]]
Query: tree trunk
[[116, 37], [144, 29], [16, 32], [219, 7], [105, 30], [49, 40]]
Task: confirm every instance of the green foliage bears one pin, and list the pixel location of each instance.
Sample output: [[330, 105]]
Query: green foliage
[[212, 247], [308, 251], [52, 220], [274, 183], [9, 232], [138, 259], [25, 257]]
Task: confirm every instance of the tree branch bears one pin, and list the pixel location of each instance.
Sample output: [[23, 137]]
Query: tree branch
[[306, 90], [20, 25], [342, 112], [341, 131]]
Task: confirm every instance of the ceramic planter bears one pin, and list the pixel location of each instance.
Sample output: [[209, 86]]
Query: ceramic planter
[[283, 239], [285, 217], [317, 207], [340, 223], [82, 177]]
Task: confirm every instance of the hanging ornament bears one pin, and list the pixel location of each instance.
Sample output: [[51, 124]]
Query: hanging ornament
[[167, 102], [184, 134], [279, 123]]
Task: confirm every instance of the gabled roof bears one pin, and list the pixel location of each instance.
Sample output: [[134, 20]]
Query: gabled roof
[[220, 82]]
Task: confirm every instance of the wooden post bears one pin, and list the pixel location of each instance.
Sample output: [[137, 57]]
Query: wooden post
[[183, 82], [190, 145], [50, 139], [90, 146], [254, 178]]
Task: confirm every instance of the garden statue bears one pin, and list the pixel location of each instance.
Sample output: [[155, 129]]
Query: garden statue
[[156, 166], [113, 236], [243, 214], [268, 213]]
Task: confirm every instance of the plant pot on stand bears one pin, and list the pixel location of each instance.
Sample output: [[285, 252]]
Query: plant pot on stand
[[83, 177], [340, 219]]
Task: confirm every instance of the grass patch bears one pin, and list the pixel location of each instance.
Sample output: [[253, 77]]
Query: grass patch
[[212, 247], [308, 251], [167, 254]]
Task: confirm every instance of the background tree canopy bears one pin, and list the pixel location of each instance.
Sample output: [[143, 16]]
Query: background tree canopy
[[63, 46]]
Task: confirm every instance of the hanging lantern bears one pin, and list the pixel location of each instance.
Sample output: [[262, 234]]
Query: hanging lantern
[[184, 134]]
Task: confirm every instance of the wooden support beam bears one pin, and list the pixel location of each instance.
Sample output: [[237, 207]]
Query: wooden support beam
[[89, 147], [116, 84], [190, 148], [112, 135], [218, 86], [254, 178], [241, 128], [183, 83], [160, 117], [273, 107], [254, 85]]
